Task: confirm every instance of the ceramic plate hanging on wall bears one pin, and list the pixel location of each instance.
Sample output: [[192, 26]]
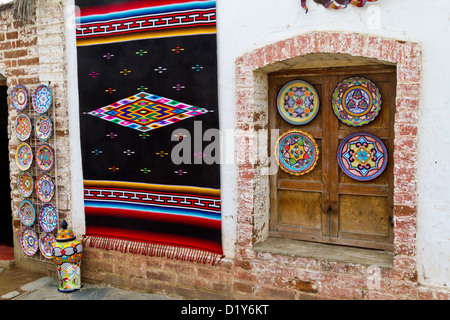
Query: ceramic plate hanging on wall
[[23, 127], [46, 241], [298, 102], [362, 156], [43, 127], [45, 157], [24, 156], [27, 213], [45, 188], [296, 152], [48, 218], [19, 97], [356, 101], [42, 98], [25, 184], [29, 241]]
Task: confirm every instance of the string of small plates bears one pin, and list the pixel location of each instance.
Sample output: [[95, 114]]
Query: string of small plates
[[44, 157]]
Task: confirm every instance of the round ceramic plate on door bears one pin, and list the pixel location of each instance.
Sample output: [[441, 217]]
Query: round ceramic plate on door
[[356, 101], [42, 99], [24, 156], [298, 102], [23, 127], [27, 213], [29, 241], [19, 97], [43, 127], [296, 152], [362, 156]]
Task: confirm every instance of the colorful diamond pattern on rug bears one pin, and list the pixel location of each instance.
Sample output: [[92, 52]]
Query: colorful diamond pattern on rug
[[296, 152], [298, 102], [42, 99], [27, 213], [46, 241], [19, 97], [24, 156], [362, 156], [29, 241], [45, 158], [25, 184], [356, 101], [43, 127], [145, 112], [23, 127], [48, 218], [45, 188]]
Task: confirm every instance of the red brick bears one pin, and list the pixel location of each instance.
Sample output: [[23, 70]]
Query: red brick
[[28, 61], [12, 35], [404, 211], [13, 54]]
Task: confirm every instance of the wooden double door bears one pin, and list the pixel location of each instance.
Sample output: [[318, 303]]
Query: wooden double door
[[326, 205]]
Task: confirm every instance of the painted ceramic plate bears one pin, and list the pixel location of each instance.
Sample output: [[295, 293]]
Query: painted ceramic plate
[[43, 127], [46, 241], [362, 156], [45, 188], [25, 184], [27, 213], [23, 127], [296, 152], [48, 218], [356, 101], [29, 241], [24, 156], [45, 157], [42, 99], [298, 102], [19, 97]]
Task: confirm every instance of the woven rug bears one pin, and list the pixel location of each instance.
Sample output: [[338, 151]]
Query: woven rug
[[147, 78]]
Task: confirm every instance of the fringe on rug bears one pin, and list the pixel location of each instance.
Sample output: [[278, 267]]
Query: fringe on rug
[[153, 250]]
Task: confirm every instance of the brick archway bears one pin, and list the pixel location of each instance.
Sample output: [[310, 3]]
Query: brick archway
[[251, 113]]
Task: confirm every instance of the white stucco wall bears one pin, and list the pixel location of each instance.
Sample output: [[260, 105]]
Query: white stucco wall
[[244, 25]]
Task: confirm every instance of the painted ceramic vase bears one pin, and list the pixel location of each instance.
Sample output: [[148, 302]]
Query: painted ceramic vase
[[67, 253]]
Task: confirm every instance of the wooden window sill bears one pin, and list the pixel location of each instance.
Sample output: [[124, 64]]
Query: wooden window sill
[[329, 252]]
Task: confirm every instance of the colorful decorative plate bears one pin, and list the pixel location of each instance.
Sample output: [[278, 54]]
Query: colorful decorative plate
[[46, 241], [48, 218], [29, 241], [42, 98], [45, 188], [43, 127], [362, 156], [23, 127], [19, 97], [296, 152], [25, 184], [45, 157], [298, 102], [356, 101], [27, 213], [24, 156]]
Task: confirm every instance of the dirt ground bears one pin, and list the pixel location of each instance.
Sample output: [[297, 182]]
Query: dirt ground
[[13, 279]]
